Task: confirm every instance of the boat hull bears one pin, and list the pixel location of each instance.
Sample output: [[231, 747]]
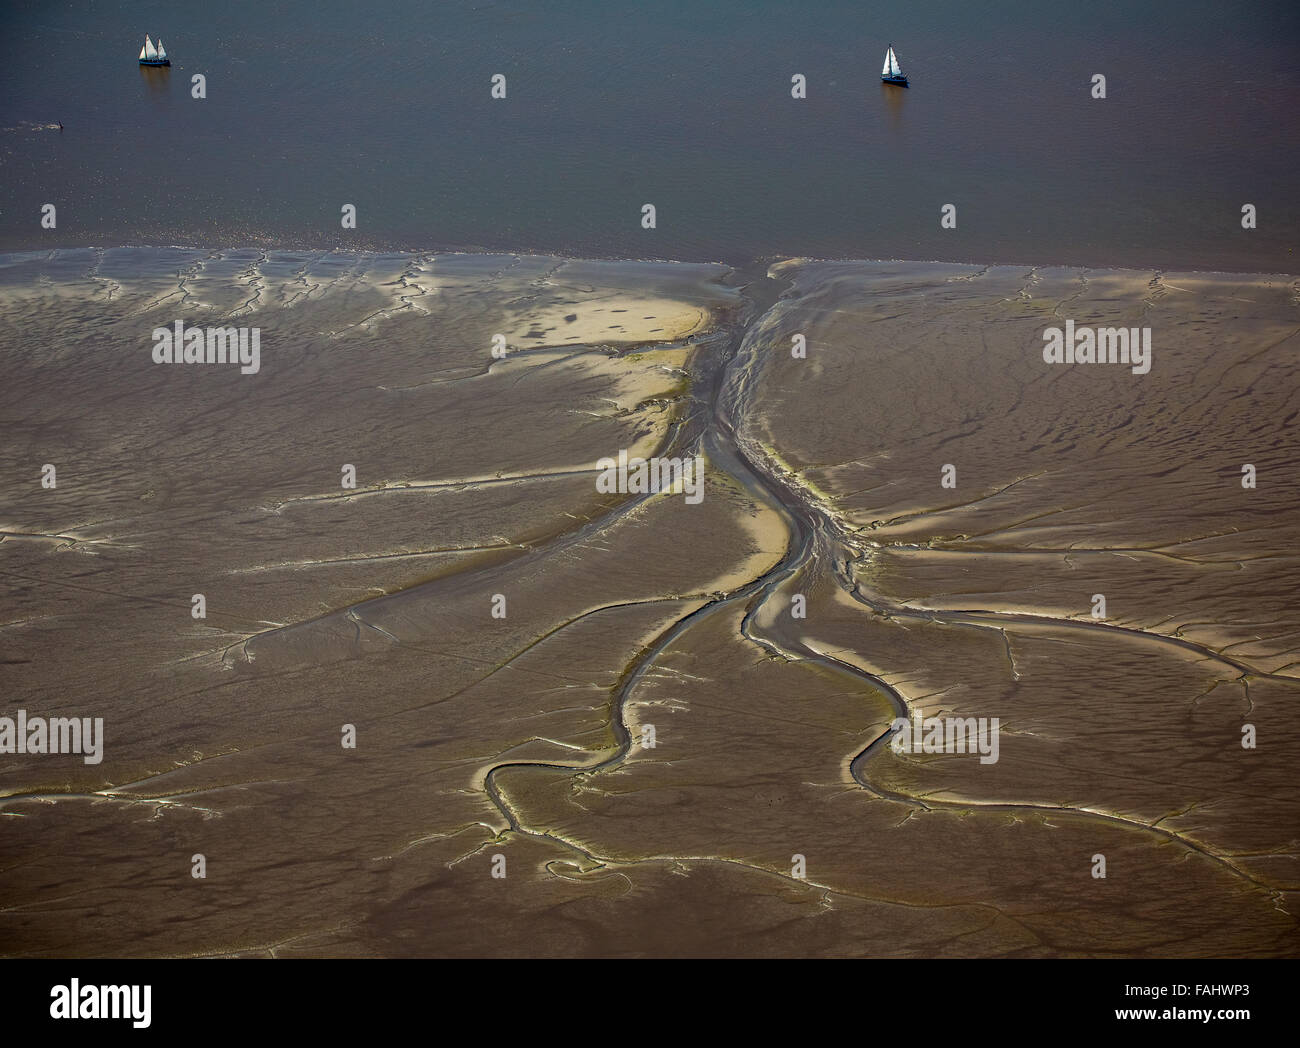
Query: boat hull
[[155, 62], [901, 81]]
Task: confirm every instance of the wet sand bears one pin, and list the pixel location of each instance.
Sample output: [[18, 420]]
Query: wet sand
[[521, 736]]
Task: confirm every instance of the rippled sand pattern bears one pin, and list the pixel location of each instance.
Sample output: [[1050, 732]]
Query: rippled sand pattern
[[484, 741]]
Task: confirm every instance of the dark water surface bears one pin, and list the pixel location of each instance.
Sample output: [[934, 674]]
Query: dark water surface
[[612, 105]]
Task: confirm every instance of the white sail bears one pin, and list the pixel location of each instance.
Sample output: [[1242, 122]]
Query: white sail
[[162, 51], [149, 50], [888, 55], [142, 54], [893, 64]]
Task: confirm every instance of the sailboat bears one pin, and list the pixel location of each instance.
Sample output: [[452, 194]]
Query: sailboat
[[891, 74], [154, 56]]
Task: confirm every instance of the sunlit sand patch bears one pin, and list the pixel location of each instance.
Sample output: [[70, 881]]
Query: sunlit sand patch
[[618, 318]]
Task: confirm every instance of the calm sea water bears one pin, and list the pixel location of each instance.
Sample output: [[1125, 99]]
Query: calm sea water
[[686, 105]]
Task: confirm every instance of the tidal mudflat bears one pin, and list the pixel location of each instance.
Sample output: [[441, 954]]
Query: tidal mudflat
[[906, 508]]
